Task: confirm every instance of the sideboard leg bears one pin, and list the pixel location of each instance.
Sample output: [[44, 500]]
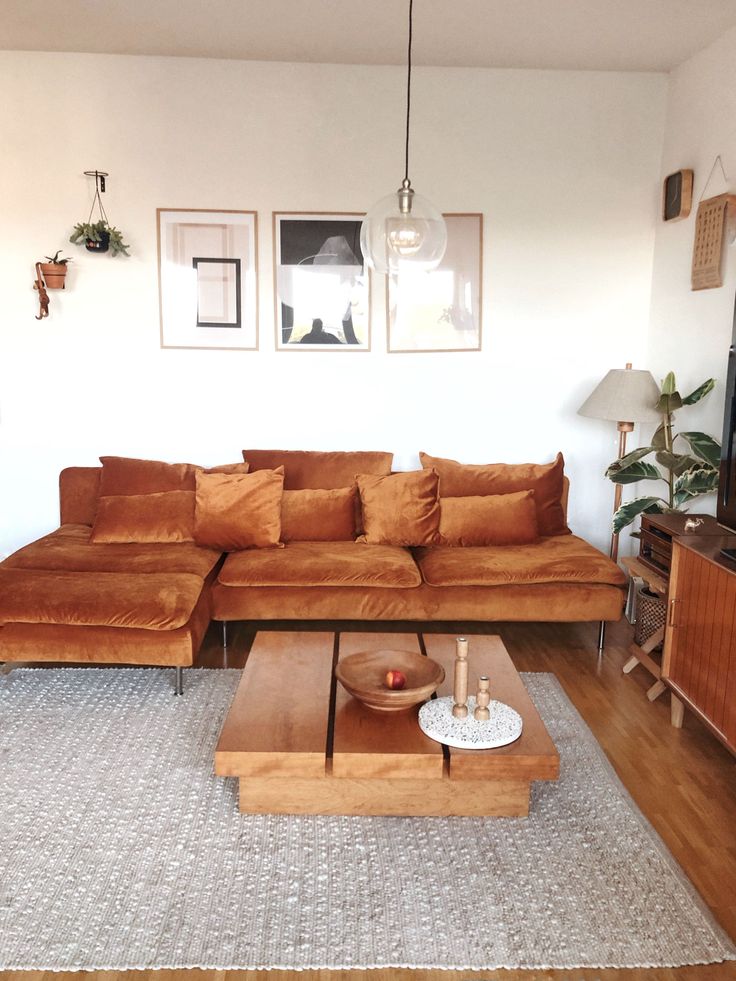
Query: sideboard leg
[[601, 636], [179, 682], [677, 711], [224, 634]]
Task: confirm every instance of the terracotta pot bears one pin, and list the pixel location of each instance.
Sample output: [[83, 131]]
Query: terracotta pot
[[102, 246], [54, 275]]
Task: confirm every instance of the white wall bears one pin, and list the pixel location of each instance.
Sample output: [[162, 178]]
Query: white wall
[[690, 331], [564, 166]]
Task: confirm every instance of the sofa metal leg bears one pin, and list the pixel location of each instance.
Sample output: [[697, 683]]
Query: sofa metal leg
[[179, 681], [601, 636], [224, 634]]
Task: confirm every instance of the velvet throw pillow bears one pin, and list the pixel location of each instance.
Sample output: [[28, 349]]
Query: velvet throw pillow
[[125, 475], [546, 480], [318, 469], [235, 511], [400, 509], [164, 517], [496, 519], [318, 515]]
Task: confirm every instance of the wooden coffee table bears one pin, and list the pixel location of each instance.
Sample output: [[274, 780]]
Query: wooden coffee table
[[299, 744]]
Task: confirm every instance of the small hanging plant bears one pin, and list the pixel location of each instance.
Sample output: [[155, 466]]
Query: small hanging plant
[[98, 235]]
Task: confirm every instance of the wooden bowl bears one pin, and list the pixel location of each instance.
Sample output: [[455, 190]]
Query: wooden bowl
[[364, 674]]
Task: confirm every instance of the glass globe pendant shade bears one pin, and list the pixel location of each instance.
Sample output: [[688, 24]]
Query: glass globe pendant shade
[[403, 228]]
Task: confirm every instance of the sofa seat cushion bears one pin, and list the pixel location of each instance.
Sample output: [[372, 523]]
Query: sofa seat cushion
[[561, 558], [158, 601], [69, 549], [322, 564]]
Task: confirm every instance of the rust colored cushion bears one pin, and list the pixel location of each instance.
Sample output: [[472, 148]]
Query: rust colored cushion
[[560, 559], [157, 601], [497, 519], [319, 515], [314, 469], [79, 488], [400, 509], [126, 475], [235, 511], [164, 517], [322, 564], [546, 480], [70, 549]]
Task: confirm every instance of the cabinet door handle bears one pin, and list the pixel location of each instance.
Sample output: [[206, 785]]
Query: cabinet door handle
[[671, 614]]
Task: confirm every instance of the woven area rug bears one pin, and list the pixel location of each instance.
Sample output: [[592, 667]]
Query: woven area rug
[[121, 849]]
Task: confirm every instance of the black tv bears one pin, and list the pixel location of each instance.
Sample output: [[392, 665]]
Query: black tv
[[726, 506]]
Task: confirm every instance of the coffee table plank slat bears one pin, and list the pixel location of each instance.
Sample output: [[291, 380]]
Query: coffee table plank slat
[[377, 745], [533, 756], [278, 720], [370, 797]]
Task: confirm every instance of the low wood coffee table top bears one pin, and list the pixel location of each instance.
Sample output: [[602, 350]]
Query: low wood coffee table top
[[300, 744]]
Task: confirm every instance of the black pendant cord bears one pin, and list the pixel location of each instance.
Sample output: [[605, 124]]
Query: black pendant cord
[[408, 95]]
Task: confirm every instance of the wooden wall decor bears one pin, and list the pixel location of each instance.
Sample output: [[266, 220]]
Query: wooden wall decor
[[709, 240], [677, 195]]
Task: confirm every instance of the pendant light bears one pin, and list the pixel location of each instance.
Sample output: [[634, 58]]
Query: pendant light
[[403, 227]]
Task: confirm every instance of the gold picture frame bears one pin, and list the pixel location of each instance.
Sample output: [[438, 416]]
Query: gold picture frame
[[440, 310], [208, 278]]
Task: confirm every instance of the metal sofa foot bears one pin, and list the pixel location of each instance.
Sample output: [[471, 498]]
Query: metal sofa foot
[[179, 681], [224, 634], [601, 636]]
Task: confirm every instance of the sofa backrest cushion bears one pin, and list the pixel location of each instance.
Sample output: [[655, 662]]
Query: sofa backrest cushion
[[546, 480], [126, 475], [237, 511], [318, 470], [167, 516], [319, 515], [400, 509], [495, 519], [79, 488]]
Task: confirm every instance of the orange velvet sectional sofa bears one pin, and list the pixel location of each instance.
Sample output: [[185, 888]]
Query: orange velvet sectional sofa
[[347, 551]]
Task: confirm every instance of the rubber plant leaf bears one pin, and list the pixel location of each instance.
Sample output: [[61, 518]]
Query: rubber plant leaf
[[705, 447], [699, 480], [677, 462], [640, 505], [637, 471], [626, 461], [669, 402], [669, 385], [658, 440], [700, 392]]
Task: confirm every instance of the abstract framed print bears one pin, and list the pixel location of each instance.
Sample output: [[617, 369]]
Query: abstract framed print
[[208, 278], [322, 287], [440, 310]]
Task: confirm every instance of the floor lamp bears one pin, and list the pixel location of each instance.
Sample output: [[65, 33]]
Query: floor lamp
[[624, 396]]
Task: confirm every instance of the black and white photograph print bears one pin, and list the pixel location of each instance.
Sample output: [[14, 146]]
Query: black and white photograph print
[[321, 282], [208, 281]]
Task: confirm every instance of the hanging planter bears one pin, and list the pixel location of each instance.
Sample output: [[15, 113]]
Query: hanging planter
[[99, 235]]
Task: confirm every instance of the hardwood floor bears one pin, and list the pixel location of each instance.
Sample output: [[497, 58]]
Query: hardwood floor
[[683, 780]]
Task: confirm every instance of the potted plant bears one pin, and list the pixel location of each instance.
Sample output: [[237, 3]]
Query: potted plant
[[54, 270], [99, 236], [688, 463]]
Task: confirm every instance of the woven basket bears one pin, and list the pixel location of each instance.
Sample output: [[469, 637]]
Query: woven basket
[[651, 613]]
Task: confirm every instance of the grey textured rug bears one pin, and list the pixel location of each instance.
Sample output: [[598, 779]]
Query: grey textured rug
[[120, 849]]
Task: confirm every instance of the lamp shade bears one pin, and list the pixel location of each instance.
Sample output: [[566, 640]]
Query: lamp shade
[[624, 395]]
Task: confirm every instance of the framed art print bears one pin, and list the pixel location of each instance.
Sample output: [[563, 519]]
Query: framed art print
[[440, 310], [321, 282], [208, 279]]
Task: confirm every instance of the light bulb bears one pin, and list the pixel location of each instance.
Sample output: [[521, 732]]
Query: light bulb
[[403, 227]]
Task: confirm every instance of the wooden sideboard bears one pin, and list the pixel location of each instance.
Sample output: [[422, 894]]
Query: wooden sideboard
[[699, 661]]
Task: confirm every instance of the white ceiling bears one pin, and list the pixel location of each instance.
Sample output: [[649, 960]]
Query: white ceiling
[[625, 35]]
